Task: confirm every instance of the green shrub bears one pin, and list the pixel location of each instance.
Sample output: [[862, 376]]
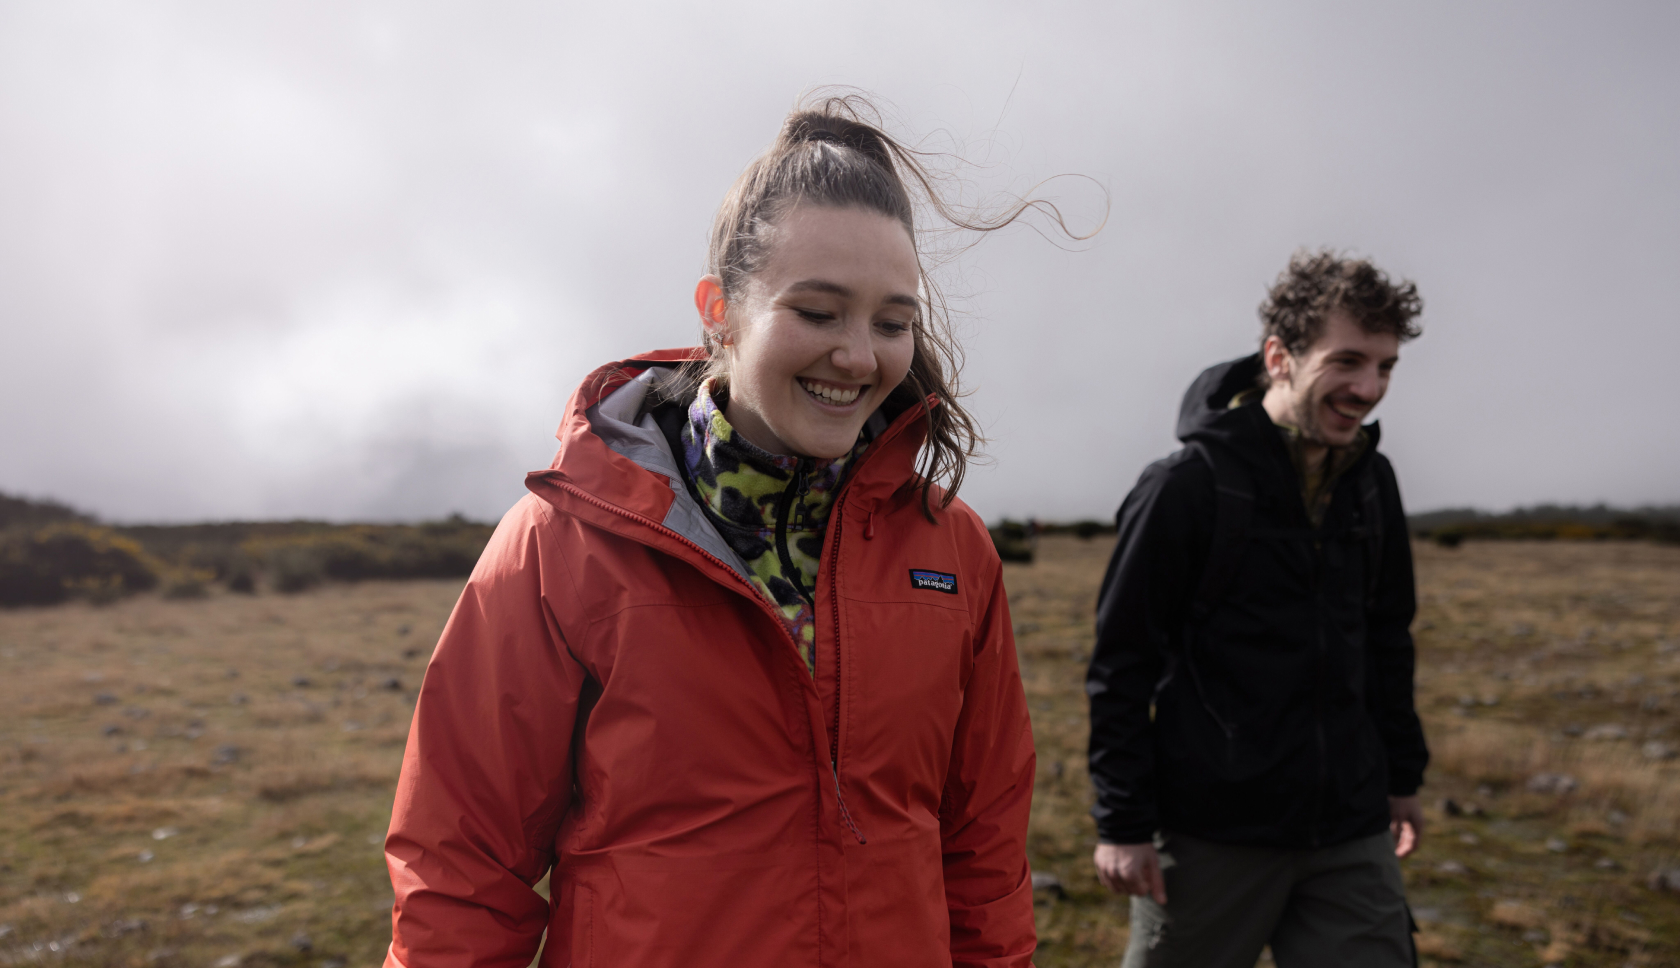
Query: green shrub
[[1012, 541], [294, 567], [1087, 529], [187, 583], [72, 558], [293, 562]]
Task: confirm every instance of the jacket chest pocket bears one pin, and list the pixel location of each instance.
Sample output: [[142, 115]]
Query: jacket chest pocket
[[904, 666]]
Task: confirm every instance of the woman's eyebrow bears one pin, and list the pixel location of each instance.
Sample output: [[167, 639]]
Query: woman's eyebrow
[[845, 292]]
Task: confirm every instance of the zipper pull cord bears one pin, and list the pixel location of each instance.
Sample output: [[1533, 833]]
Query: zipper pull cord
[[801, 487], [869, 526]]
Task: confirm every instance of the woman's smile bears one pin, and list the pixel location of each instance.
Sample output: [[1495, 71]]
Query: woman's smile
[[834, 396]]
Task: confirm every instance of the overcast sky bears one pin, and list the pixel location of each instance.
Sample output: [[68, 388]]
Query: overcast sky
[[348, 259]]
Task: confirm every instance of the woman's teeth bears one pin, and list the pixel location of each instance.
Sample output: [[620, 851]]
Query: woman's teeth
[[827, 394]]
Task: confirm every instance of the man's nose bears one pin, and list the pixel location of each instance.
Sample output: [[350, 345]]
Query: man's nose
[[1369, 387], [855, 353]]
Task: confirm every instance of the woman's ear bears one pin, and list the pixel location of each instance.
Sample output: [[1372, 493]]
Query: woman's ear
[[713, 307]]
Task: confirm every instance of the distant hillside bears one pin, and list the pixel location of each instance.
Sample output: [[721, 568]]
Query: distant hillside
[[23, 513], [1599, 522], [50, 552]]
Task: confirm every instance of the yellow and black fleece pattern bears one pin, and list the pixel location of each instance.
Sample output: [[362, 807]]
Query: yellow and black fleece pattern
[[771, 509]]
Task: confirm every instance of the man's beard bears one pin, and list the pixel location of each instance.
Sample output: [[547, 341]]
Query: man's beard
[[1307, 422]]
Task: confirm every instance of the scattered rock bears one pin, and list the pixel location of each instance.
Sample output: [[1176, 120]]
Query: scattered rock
[[410, 653], [302, 942], [228, 961], [1534, 936], [402, 630], [1656, 749], [1607, 864], [302, 682], [394, 684], [104, 699], [1449, 807], [239, 699], [137, 712], [1574, 729], [122, 926], [110, 729], [225, 755], [351, 726], [164, 833], [333, 963], [1666, 879], [1046, 881], [1452, 868], [1616, 818], [1557, 783], [257, 915], [1470, 839], [145, 856], [1606, 731], [1516, 914], [1557, 845]]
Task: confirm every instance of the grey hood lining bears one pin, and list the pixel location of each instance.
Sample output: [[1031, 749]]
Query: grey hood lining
[[625, 424]]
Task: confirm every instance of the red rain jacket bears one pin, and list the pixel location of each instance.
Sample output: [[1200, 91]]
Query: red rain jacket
[[612, 700]]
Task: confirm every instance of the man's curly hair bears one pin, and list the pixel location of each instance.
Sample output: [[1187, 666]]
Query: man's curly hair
[[1317, 284]]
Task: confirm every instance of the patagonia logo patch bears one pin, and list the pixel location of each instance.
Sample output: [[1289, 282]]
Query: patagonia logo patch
[[936, 581]]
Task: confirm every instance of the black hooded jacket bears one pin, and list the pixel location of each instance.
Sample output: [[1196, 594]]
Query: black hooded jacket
[[1284, 716]]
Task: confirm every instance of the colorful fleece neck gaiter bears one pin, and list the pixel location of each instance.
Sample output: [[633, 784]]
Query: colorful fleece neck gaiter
[[773, 510]]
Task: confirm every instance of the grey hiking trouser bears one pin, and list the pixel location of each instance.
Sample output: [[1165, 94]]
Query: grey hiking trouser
[[1326, 907]]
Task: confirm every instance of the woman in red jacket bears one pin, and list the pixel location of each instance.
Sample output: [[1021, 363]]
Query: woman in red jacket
[[738, 671]]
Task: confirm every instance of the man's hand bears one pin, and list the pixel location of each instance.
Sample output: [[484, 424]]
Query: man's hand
[[1405, 822], [1131, 869]]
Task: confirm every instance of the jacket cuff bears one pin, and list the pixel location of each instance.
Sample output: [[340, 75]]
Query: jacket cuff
[[1112, 830], [1404, 784]]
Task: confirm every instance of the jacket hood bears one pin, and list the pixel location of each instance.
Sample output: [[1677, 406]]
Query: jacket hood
[[1207, 415], [611, 450]]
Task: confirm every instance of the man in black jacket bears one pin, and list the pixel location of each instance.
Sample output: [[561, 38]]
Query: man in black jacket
[[1254, 745]]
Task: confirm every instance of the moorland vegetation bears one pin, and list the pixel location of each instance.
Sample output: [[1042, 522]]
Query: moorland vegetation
[[207, 781]]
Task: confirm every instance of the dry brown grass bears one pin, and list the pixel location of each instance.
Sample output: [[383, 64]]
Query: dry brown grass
[[269, 796], [205, 781]]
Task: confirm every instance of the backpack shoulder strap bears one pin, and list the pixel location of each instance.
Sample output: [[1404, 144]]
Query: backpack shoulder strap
[[1233, 493]]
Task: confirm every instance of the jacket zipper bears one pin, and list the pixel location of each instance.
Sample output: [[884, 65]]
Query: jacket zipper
[[752, 592], [836, 517], [1318, 697]]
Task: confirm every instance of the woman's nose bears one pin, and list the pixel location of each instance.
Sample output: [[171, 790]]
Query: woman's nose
[[855, 354]]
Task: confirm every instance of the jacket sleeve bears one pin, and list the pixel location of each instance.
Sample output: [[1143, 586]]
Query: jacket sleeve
[[487, 773], [1392, 657], [987, 799], [1160, 550]]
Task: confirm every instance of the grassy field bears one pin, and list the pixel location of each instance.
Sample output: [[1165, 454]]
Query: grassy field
[[205, 782]]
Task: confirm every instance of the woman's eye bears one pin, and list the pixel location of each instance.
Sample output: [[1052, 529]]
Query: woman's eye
[[814, 315], [893, 326]]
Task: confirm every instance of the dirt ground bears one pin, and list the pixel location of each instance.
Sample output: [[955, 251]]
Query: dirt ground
[[205, 782]]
